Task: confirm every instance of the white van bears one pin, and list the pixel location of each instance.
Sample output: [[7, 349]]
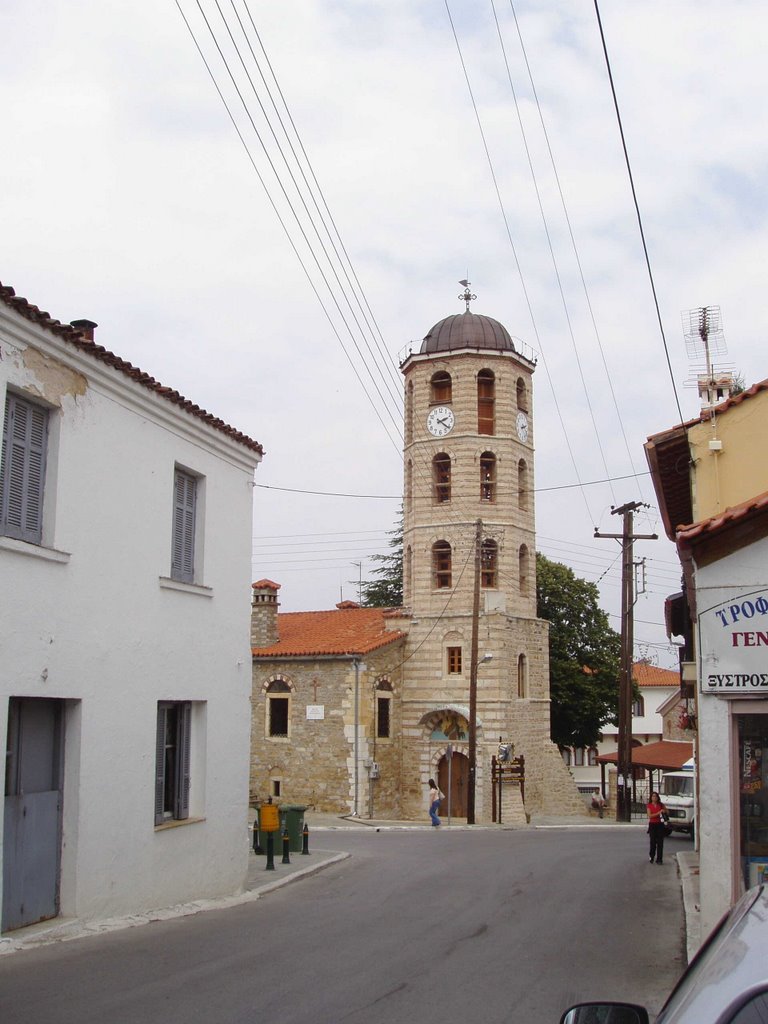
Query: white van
[[678, 793]]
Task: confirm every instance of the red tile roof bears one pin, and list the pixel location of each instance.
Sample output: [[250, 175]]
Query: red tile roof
[[345, 631], [668, 755], [651, 675], [732, 516], [79, 340]]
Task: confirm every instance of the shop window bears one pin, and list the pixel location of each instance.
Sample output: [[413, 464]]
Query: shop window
[[486, 401], [441, 564], [753, 797], [440, 388], [441, 478], [488, 477]]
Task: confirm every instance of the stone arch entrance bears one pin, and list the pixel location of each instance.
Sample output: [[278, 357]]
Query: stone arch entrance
[[453, 780]]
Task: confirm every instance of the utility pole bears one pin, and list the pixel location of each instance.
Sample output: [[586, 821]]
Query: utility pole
[[627, 538], [472, 744]]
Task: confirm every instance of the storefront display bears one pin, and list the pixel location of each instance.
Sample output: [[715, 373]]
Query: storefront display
[[753, 797]]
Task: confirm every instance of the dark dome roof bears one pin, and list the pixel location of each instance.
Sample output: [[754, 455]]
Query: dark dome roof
[[467, 330]]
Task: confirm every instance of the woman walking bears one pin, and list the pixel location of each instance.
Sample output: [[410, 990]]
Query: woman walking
[[657, 827], [435, 796]]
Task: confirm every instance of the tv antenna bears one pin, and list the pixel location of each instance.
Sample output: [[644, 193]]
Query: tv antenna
[[704, 338]]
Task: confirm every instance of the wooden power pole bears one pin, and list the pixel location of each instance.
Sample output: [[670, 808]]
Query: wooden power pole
[[627, 538], [472, 744]]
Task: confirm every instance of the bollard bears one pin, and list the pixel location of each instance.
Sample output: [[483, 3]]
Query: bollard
[[305, 840], [286, 848], [270, 852], [256, 844]]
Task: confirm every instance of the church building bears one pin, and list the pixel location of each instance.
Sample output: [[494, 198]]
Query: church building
[[354, 710]]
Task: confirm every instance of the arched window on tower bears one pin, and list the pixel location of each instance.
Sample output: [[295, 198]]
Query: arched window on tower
[[440, 389], [408, 582], [409, 412], [522, 484], [524, 561], [522, 395], [441, 478], [486, 401], [409, 481], [488, 477], [441, 564], [522, 676], [489, 556]]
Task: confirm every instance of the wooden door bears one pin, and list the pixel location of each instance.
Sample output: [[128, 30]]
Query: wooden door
[[457, 789]]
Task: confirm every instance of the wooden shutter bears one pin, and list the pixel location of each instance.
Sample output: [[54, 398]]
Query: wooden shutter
[[183, 759], [184, 513], [162, 718], [22, 469]]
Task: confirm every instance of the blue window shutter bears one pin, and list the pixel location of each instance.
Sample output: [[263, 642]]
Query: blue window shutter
[[22, 469], [162, 718], [183, 753], [184, 514]]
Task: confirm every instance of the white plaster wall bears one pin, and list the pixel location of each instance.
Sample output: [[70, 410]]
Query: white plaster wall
[[718, 743], [96, 625]]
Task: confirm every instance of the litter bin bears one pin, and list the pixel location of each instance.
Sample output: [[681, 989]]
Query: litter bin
[[260, 835], [292, 822]]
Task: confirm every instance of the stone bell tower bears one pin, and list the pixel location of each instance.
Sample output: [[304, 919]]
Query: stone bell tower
[[469, 471]]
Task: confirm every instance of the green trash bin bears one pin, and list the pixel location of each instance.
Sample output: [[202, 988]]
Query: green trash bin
[[292, 822]]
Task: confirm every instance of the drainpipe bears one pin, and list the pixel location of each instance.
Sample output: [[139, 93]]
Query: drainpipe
[[356, 663]]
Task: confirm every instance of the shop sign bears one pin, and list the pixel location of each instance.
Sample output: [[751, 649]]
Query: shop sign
[[733, 644]]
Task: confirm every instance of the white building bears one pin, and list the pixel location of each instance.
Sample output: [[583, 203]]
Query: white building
[[125, 542], [656, 687]]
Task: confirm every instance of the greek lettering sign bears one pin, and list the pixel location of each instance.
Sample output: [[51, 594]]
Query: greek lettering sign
[[733, 645]]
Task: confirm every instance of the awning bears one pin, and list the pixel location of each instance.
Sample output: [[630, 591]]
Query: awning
[[668, 755]]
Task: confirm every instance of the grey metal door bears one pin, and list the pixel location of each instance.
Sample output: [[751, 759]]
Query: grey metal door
[[32, 826]]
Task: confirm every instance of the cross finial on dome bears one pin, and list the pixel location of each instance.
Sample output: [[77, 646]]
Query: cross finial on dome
[[466, 295]]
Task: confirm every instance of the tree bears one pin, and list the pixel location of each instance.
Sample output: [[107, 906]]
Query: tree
[[387, 590], [584, 655]]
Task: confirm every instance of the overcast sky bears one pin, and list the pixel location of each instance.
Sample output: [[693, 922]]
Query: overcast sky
[[128, 198]]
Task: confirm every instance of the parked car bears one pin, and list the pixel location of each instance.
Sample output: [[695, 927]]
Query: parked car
[[725, 983]]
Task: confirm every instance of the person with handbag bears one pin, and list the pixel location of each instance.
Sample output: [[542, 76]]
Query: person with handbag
[[657, 827], [435, 796]]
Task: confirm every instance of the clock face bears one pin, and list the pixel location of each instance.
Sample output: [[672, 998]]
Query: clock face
[[522, 426], [440, 421]]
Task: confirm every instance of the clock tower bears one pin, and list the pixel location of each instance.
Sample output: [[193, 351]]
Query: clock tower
[[469, 472]]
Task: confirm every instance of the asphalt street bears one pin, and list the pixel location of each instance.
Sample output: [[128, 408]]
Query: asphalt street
[[431, 925]]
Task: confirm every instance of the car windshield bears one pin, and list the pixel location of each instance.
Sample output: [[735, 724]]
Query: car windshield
[[674, 785]]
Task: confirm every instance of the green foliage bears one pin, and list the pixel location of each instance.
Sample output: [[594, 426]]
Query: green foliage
[[584, 655], [386, 591]]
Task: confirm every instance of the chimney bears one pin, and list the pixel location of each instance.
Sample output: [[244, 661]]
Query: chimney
[[264, 613], [86, 328]]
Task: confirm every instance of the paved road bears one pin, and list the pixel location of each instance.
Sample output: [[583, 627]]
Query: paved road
[[428, 926]]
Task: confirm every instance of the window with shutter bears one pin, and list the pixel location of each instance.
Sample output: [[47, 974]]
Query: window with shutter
[[184, 524], [172, 760], [22, 469]]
